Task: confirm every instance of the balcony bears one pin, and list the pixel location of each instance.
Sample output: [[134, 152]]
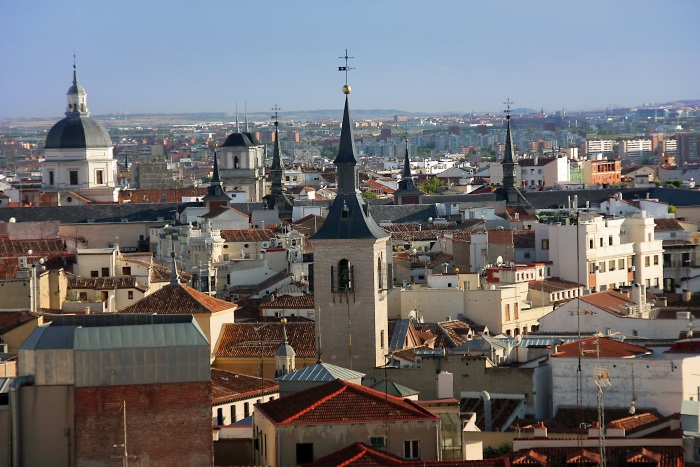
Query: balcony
[[610, 252]]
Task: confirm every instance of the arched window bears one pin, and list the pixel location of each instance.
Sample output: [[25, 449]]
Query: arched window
[[515, 311], [507, 311], [344, 282], [236, 163], [380, 279]]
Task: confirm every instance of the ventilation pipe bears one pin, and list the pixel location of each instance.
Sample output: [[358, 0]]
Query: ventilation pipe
[[15, 426], [488, 422]]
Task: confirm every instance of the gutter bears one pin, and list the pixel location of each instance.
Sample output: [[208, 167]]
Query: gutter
[[15, 438]]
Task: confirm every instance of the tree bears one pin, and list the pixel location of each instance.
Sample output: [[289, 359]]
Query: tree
[[369, 195], [502, 449], [671, 209], [431, 186]]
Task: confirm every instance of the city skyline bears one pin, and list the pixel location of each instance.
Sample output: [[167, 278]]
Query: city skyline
[[171, 57]]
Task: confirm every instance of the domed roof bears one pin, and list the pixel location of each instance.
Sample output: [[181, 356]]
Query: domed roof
[[76, 88], [285, 350], [77, 132]]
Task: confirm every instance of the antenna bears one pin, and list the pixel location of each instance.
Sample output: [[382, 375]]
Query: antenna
[[601, 377]]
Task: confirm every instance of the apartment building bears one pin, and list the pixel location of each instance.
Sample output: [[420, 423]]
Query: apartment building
[[539, 172], [609, 252], [597, 146], [634, 148], [602, 172]]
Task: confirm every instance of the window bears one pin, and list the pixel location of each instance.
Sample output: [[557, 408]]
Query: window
[[379, 274], [105, 272], [507, 311], [410, 449], [381, 338], [610, 240], [591, 268], [590, 244], [220, 416], [50, 177], [83, 296], [646, 261], [545, 244], [126, 271], [73, 177], [99, 177], [515, 311], [601, 266], [611, 265], [620, 264], [131, 294], [246, 410], [236, 163], [305, 453], [94, 274], [601, 241], [377, 441], [648, 283], [656, 282], [656, 260]]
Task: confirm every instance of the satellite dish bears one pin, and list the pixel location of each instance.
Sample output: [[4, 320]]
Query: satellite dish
[[499, 261], [518, 339], [12, 220]]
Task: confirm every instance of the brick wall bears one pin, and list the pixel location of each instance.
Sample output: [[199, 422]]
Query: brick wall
[[167, 424]]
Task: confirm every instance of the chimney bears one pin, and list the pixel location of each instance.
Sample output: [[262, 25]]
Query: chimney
[[445, 384], [488, 421], [639, 295], [540, 430]]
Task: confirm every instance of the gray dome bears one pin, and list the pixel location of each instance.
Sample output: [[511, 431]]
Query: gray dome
[[285, 351], [77, 132], [76, 88], [240, 140]]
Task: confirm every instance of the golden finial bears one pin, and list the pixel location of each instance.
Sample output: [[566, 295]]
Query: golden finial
[[283, 321], [346, 89]]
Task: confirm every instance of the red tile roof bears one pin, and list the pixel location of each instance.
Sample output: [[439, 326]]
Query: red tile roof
[[668, 225], [178, 299], [636, 421], [609, 300], [252, 339], [221, 210], [248, 235], [227, 386], [341, 402], [524, 239], [591, 347], [12, 319], [291, 301], [358, 454], [663, 456]]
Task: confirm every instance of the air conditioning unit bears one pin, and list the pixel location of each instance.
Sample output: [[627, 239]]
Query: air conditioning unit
[[266, 244], [22, 262], [631, 269]]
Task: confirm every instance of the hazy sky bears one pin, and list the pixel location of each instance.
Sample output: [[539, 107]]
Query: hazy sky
[[152, 56]]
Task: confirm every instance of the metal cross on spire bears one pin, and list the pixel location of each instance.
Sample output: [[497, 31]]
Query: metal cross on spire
[[346, 68], [276, 115], [508, 102]]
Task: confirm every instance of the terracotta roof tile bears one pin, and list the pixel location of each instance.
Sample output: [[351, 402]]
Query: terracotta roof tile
[[221, 210], [291, 301], [667, 225], [661, 456], [341, 402], [252, 339], [178, 299], [593, 346], [636, 421], [227, 386], [358, 454], [248, 235], [524, 239], [610, 301], [12, 319]]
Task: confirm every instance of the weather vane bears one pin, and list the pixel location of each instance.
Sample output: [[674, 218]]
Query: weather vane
[[508, 102], [346, 68], [276, 115]]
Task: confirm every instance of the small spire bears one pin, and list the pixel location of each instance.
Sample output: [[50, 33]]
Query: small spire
[[215, 177], [284, 331], [237, 127], [508, 154], [276, 154], [406, 164], [174, 276], [75, 72], [245, 114]]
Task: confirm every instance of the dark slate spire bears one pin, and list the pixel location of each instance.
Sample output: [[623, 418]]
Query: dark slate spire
[[276, 169], [174, 276], [348, 215], [407, 192], [509, 164], [346, 161], [216, 178], [216, 194]]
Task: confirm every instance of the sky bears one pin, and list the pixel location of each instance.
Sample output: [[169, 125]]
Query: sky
[[436, 56]]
